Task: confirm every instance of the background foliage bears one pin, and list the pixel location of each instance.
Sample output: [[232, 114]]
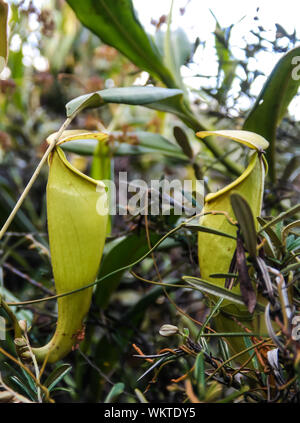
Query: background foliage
[[87, 52]]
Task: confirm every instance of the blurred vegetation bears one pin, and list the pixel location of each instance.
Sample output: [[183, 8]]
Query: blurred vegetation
[[128, 311]]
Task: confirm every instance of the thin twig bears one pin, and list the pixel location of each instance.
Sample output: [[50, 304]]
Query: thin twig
[[34, 176], [27, 278]]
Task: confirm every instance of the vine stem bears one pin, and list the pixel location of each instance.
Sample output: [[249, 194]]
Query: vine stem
[[129, 266], [34, 176]]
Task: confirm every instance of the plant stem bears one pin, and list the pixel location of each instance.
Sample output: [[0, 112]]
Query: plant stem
[[129, 266], [34, 176]]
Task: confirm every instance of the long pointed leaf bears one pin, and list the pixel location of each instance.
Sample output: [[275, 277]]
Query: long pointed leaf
[[218, 291], [244, 216], [116, 24], [154, 97], [272, 103]]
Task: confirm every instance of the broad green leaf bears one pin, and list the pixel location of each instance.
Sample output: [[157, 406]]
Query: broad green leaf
[[164, 99], [272, 103], [116, 24], [250, 139], [244, 216], [3, 34], [131, 143], [77, 219], [57, 375]]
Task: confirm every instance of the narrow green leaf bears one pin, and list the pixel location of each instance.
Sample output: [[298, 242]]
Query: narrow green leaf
[[25, 389], [200, 374], [164, 99], [30, 381], [116, 24], [226, 64], [246, 287], [223, 275], [269, 232], [201, 228], [176, 49], [245, 219], [291, 212], [272, 103], [57, 375], [218, 291], [183, 141], [27, 383], [212, 312]]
